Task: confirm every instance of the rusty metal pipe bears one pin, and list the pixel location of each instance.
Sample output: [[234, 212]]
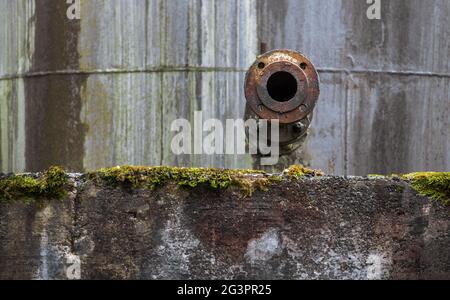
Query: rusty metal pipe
[[283, 85]]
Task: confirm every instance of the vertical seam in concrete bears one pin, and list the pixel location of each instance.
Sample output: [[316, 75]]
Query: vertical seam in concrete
[[163, 47], [75, 233], [147, 9], [346, 122]]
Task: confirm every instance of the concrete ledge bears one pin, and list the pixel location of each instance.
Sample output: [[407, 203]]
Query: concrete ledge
[[307, 228]]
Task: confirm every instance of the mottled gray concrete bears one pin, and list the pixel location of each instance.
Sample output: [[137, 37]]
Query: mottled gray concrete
[[371, 117], [384, 102], [314, 228]]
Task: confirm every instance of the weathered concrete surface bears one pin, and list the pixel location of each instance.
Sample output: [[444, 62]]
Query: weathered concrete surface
[[147, 63], [369, 119], [129, 69], [314, 228]]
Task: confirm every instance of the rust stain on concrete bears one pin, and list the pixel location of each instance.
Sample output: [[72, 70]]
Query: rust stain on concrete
[[246, 220]]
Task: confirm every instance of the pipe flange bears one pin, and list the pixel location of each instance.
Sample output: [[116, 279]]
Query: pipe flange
[[282, 85]]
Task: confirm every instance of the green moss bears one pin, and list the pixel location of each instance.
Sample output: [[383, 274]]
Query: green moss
[[49, 186], [250, 184], [298, 171], [376, 176], [153, 177], [435, 185]]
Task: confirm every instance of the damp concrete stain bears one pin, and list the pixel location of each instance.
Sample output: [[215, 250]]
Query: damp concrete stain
[[54, 131], [389, 148], [271, 17]]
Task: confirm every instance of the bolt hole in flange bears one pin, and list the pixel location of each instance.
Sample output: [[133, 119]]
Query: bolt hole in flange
[[303, 66], [282, 86], [261, 65]]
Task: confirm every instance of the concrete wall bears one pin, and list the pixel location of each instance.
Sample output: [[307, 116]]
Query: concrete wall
[[313, 228], [372, 117], [140, 64]]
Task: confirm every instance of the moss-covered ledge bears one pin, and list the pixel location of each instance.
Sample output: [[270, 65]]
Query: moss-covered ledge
[[150, 178], [53, 183], [192, 223], [435, 185]]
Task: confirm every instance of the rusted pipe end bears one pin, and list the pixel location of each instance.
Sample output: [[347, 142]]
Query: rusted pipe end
[[283, 85]]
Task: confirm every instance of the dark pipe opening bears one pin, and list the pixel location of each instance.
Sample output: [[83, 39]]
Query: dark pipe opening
[[282, 86]]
